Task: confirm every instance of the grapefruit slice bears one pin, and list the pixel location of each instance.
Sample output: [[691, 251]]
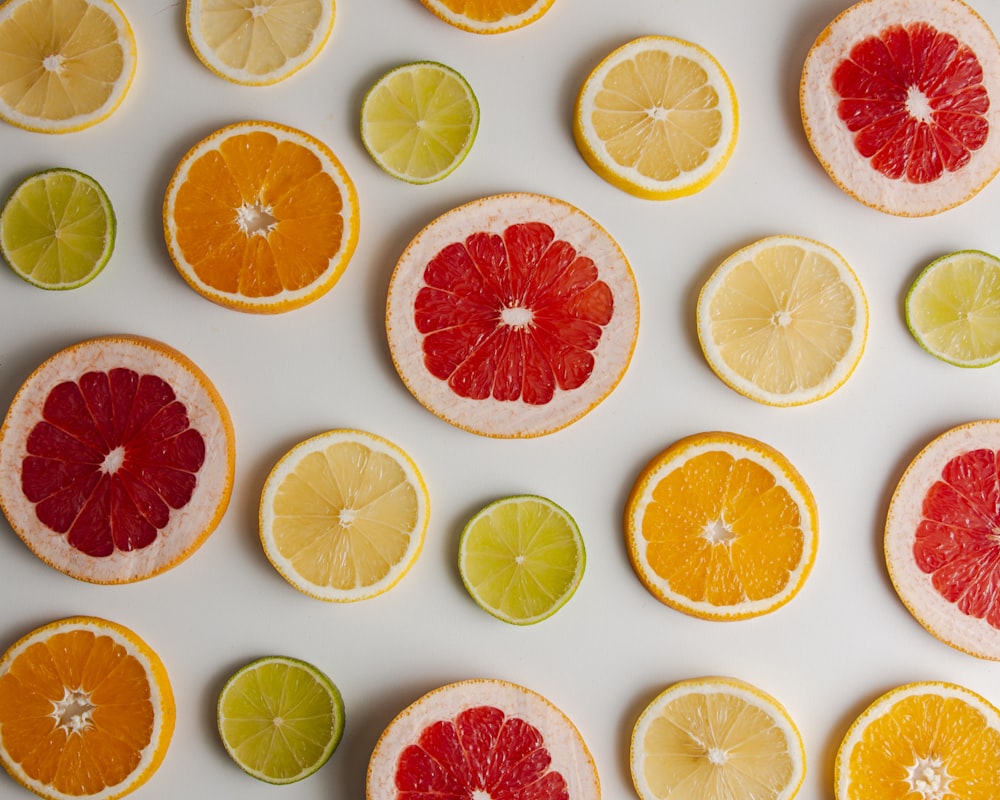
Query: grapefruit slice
[[900, 101], [482, 738], [116, 459], [512, 316]]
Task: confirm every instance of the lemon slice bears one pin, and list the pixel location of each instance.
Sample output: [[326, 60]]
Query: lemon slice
[[488, 16]]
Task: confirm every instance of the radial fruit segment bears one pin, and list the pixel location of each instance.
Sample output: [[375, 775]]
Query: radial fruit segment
[[488, 16]]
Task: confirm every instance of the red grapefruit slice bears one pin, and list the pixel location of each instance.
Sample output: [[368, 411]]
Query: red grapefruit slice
[[482, 738], [942, 545], [512, 316], [116, 459], [900, 101]]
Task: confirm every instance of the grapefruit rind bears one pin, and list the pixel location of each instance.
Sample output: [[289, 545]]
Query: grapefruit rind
[[448, 11]]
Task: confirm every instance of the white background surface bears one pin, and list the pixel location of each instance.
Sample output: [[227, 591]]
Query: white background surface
[[844, 640]]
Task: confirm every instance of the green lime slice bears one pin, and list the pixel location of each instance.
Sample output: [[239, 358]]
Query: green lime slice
[[953, 308], [280, 719], [521, 558], [57, 229], [419, 120]]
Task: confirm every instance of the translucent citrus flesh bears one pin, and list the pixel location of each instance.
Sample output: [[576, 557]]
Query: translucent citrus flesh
[[488, 16], [489, 10]]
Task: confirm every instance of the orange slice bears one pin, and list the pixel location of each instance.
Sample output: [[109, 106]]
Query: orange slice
[[260, 217], [116, 459], [488, 16]]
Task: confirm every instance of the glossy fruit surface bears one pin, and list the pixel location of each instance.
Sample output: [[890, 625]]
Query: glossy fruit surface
[[488, 16]]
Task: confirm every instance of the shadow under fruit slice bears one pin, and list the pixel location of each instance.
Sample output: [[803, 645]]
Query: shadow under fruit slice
[[116, 459]]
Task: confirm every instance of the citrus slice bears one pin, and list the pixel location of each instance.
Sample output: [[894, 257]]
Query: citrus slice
[[657, 118], [419, 120], [488, 16], [57, 229], [716, 739], [953, 308], [280, 718], [512, 315], [86, 710], [924, 740], [343, 515], [783, 321], [521, 558], [258, 42], [260, 217], [941, 545], [900, 102], [721, 526], [116, 459], [482, 738]]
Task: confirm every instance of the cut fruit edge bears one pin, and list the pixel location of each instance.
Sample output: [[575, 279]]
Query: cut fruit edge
[[507, 23]]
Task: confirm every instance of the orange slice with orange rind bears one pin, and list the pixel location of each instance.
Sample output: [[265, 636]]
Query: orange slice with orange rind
[[488, 16]]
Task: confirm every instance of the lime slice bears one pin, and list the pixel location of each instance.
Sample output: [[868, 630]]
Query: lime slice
[[521, 558], [953, 308], [280, 719], [57, 229], [419, 120]]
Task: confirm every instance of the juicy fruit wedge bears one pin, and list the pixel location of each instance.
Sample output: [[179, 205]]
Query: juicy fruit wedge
[[716, 739], [721, 526], [488, 16], [783, 321], [901, 104], [482, 738], [280, 719], [86, 710], [657, 118], [343, 515], [116, 459], [521, 558]]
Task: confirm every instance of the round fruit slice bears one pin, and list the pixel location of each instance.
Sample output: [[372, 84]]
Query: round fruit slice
[[941, 545], [116, 459], [925, 740], [260, 217], [721, 526], [783, 321], [67, 64], [57, 229], [482, 738], [512, 316], [419, 120], [280, 719], [257, 43], [900, 102], [716, 739], [86, 710], [343, 515], [488, 16], [657, 118], [521, 558]]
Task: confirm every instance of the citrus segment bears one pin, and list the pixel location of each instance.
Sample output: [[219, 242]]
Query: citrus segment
[[657, 118], [260, 217], [488, 16], [512, 315], [721, 526], [86, 710]]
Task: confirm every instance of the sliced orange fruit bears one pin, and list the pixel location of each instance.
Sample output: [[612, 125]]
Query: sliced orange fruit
[[488, 16], [721, 526], [260, 217], [116, 459], [86, 710]]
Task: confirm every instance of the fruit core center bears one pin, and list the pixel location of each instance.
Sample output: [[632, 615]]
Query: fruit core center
[[657, 113], [480, 794], [260, 9], [716, 756], [113, 460], [718, 532], [53, 63], [928, 778], [74, 712], [346, 517], [255, 220], [782, 318], [917, 105], [516, 316]]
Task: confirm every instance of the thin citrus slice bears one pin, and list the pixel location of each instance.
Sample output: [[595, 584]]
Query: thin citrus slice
[[488, 16], [512, 315], [657, 118], [419, 120], [482, 738], [783, 321], [65, 65], [716, 739], [280, 718], [900, 102], [86, 710], [521, 558], [57, 229], [343, 515], [258, 42], [929, 740], [260, 217], [721, 526], [941, 545], [116, 459]]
